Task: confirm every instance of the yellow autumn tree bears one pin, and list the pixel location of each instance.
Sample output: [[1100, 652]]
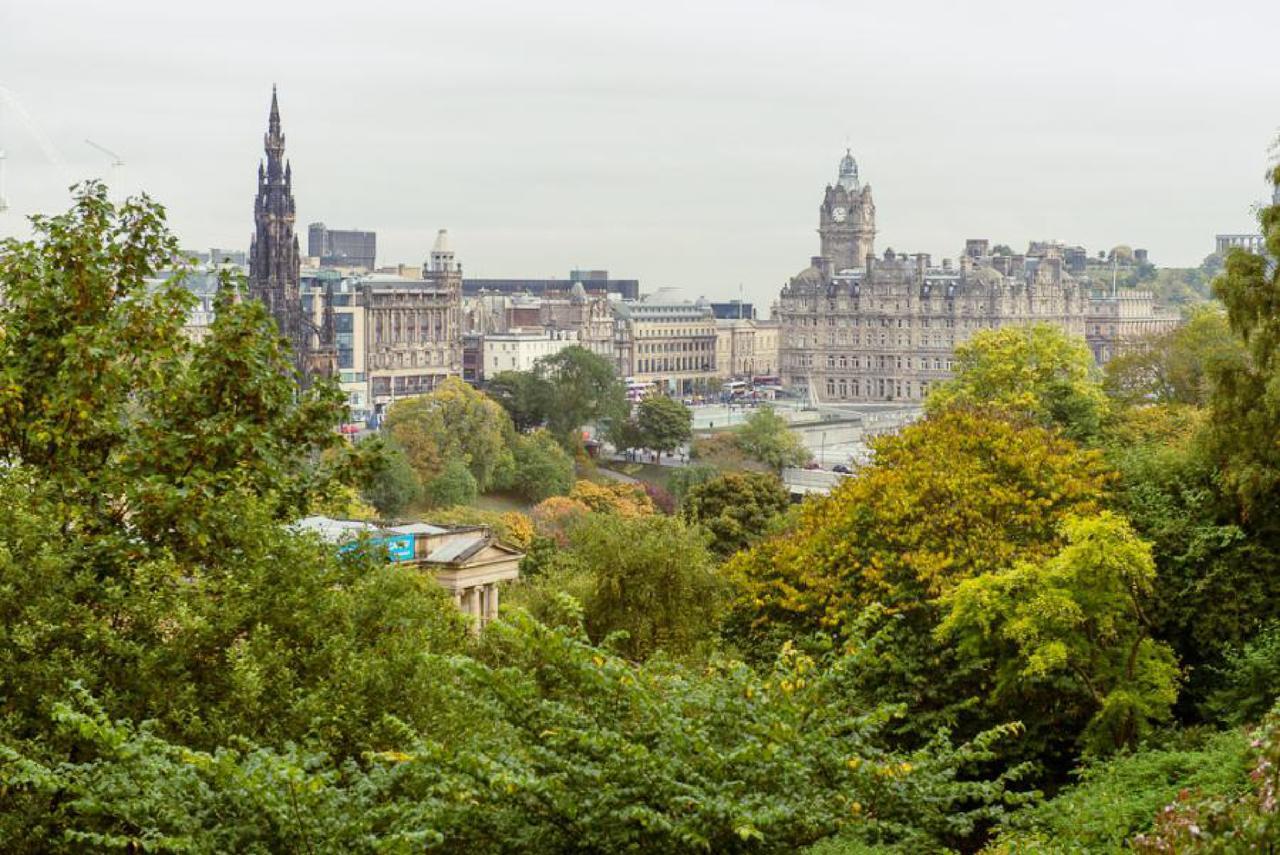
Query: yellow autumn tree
[[624, 500], [554, 516], [961, 494], [956, 495], [454, 422], [1038, 372]]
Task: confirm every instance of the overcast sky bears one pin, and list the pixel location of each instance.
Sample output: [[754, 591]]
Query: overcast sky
[[684, 144]]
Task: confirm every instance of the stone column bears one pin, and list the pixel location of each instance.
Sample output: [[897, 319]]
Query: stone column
[[471, 608], [493, 600]]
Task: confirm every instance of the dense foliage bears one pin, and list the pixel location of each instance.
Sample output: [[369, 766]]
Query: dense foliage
[[566, 391], [580, 387], [737, 508], [542, 468], [1115, 799], [390, 484], [1039, 372], [1174, 367], [1076, 622], [959, 496], [1047, 583], [766, 438], [453, 485], [454, 422]]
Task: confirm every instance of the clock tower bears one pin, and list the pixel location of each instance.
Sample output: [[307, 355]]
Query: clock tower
[[847, 219]]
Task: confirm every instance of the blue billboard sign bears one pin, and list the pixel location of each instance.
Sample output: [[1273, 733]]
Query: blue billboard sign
[[399, 546]]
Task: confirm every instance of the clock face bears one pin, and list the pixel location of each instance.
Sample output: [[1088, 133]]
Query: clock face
[[838, 215]]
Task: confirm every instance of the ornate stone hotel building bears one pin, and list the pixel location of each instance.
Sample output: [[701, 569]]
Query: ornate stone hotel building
[[857, 328]]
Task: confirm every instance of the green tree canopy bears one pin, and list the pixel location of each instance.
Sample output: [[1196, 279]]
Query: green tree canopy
[[583, 387], [1246, 399], [542, 468], [390, 485], [663, 424], [524, 395], [147, 558], [1217, 586], [737, 508], [952, 497], [455, 485], [453, 421], [652, 578], [103, 394], [1175, 366], [765, 437], [545, 743], [1082, 615], [1039, 371]]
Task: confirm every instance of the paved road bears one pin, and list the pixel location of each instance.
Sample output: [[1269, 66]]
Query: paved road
[[617, 476]]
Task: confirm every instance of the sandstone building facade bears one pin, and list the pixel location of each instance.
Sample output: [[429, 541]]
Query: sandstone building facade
[[667, 343], [855, 327], [398, 337], [746, 348]]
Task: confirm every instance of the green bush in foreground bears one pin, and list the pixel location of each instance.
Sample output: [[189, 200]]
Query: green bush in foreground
[[555, 746], [1119, 798]]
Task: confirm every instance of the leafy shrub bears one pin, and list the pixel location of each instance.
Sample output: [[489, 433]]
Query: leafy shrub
[[1246, 820], [542, 467], [552, 745], [393, 485], [1119, 797], [1250, 679], [455, 485]]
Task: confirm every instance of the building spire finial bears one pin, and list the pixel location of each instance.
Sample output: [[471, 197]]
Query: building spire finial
[[274, 119]]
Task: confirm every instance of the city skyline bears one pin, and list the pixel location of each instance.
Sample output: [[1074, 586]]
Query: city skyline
[[688, 151]]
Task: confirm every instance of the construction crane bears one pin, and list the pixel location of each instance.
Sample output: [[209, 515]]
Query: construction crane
[[116, 161]]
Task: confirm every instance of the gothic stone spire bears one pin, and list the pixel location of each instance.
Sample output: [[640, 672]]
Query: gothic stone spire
[[273, 253], [273, 140]]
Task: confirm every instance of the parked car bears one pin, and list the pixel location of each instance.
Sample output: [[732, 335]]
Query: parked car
[[842, 469]]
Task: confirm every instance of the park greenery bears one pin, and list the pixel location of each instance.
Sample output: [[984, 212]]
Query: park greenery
[[736, 508], [1045, 618], [564, 392], [764, 441]]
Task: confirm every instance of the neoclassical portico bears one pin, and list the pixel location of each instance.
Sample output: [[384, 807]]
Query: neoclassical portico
[[470, 564], [468, 561]]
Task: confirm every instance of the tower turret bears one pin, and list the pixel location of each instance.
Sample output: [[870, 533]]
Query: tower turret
[[849, 172], [847, 218], [442, 260]]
